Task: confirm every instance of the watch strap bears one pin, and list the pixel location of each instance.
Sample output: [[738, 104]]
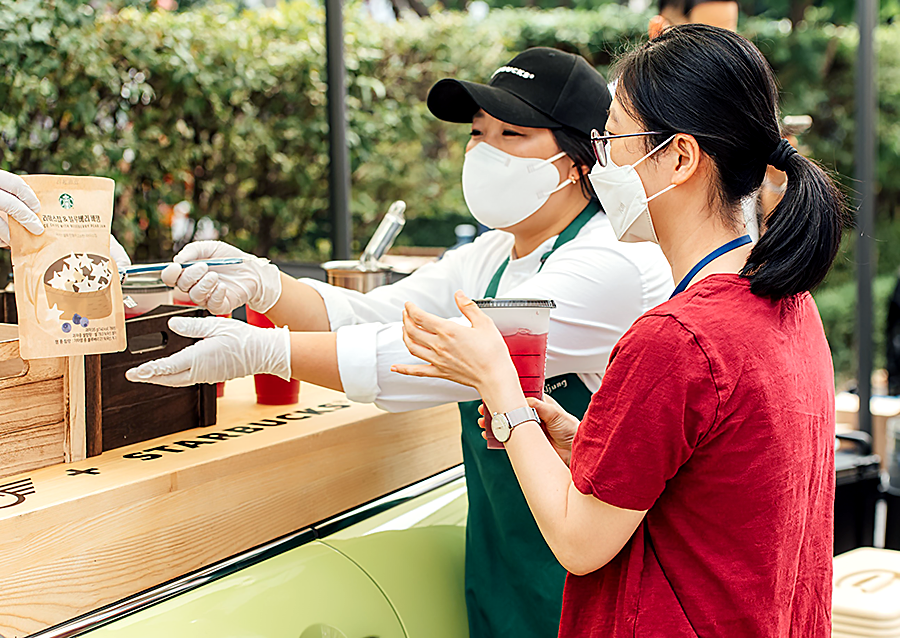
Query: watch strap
[[515, 418], [520, 415]]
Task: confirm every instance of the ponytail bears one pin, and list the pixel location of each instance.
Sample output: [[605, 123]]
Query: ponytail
[[802, 234]]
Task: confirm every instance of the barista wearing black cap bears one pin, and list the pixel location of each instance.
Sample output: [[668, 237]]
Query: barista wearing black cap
[[524, 175]]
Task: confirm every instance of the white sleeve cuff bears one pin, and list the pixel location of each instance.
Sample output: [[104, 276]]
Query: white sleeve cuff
[[357, 356], [340, 312]]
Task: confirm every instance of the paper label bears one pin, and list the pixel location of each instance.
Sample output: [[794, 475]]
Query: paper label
[[68, 293]]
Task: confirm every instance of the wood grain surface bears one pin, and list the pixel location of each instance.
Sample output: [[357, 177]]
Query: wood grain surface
[[41, 408], [138, 516], [76, 442]]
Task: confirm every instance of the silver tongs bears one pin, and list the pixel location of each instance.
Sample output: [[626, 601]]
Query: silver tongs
[[143, 269]]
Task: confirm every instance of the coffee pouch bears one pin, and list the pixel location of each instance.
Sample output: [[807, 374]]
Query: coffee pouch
[[68, 292]]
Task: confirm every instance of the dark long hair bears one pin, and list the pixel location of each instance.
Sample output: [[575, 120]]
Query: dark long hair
[[578, 147], [715, 85]]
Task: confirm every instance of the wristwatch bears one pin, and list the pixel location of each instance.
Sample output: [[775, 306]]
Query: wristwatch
[[502, 423]]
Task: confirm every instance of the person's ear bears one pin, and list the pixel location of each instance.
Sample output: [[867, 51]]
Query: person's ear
[[576, 172], [657, 25], [686, 157]]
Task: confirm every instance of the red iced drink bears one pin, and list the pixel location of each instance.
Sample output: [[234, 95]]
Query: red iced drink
[[524, 324], [529, 354]]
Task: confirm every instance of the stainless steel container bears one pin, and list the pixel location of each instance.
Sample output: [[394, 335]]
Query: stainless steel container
[[353, 275]]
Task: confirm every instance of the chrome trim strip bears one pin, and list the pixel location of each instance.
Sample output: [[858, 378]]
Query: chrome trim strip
[[105, 615], [115, 611], [361, 513]]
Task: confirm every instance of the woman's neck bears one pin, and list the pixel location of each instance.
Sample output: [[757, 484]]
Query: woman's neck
[[547, 222], [684, 250]]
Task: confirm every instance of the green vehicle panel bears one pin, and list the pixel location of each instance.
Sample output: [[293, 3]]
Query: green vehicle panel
[[416, 554], [311, 591], [391, 569]]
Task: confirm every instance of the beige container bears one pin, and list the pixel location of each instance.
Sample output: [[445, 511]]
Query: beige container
[[354, 276], [866, 599]]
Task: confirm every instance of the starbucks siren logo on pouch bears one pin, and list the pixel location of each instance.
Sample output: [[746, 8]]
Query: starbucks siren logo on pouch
[[66, 201]]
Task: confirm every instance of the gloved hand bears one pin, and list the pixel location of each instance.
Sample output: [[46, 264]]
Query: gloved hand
[[230, 349], [256, 282], [18, 201], [118, 254]]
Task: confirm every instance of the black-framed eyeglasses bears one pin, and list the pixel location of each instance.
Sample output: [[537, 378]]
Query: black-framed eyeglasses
[[601, 143]]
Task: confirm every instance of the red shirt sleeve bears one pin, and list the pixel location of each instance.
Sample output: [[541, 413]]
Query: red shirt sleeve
[[657, 400]]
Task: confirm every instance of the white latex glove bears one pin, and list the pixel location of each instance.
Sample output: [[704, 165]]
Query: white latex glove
[[118, 254], [230, 349], [18, 201], [256, 282]]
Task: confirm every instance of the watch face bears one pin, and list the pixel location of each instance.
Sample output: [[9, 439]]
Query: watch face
[[500, 427]]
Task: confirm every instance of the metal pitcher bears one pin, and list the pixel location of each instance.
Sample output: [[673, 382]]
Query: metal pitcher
[[368, 273]]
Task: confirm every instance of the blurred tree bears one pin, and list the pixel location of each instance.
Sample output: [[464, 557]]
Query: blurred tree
[[839, 12]]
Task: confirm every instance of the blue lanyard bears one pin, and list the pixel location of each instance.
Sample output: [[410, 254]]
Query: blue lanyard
[[718, 252]]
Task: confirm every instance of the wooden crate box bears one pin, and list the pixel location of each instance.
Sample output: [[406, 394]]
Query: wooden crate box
[[42, 408], [120, 412]]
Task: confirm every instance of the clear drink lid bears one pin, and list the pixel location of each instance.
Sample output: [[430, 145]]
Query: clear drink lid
[[515, 303]]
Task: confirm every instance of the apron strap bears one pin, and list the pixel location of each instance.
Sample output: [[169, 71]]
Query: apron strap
[[568, 234], [491, 291]]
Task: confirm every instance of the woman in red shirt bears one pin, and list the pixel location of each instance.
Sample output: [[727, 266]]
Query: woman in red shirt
[[696, 499]]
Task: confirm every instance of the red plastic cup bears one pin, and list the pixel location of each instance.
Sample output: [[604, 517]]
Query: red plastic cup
[[272, 390], [524, 324]]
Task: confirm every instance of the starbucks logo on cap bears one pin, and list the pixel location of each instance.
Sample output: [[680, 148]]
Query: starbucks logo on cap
[[66, 201]]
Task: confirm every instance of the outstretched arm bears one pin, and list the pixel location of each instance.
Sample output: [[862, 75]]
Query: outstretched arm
[[583, 532], [230, 349]]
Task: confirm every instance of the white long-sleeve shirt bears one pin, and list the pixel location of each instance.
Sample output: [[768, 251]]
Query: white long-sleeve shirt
[[600, 286]]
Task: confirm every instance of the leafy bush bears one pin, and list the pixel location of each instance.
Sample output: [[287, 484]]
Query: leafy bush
[[226, 110]]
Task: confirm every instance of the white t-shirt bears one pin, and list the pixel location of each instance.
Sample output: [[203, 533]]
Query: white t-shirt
[[600, 286]]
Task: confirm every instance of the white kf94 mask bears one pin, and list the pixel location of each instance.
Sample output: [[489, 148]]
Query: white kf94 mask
[[624, 200], [501, 189]]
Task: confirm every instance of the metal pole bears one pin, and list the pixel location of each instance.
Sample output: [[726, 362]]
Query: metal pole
[[866, 114], [339, 161]]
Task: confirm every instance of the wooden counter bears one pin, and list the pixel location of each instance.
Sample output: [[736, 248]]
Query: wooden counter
[[76, 537]]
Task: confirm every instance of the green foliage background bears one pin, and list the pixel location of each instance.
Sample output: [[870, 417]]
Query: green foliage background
[[226, 109]]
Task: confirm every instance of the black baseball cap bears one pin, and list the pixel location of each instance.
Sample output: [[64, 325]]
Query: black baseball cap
[[539, 88]]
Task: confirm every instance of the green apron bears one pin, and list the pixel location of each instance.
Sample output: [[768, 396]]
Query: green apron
[[514, 584]]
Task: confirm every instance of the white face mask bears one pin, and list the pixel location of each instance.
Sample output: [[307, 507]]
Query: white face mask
[[621, 193], [501, 189]]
